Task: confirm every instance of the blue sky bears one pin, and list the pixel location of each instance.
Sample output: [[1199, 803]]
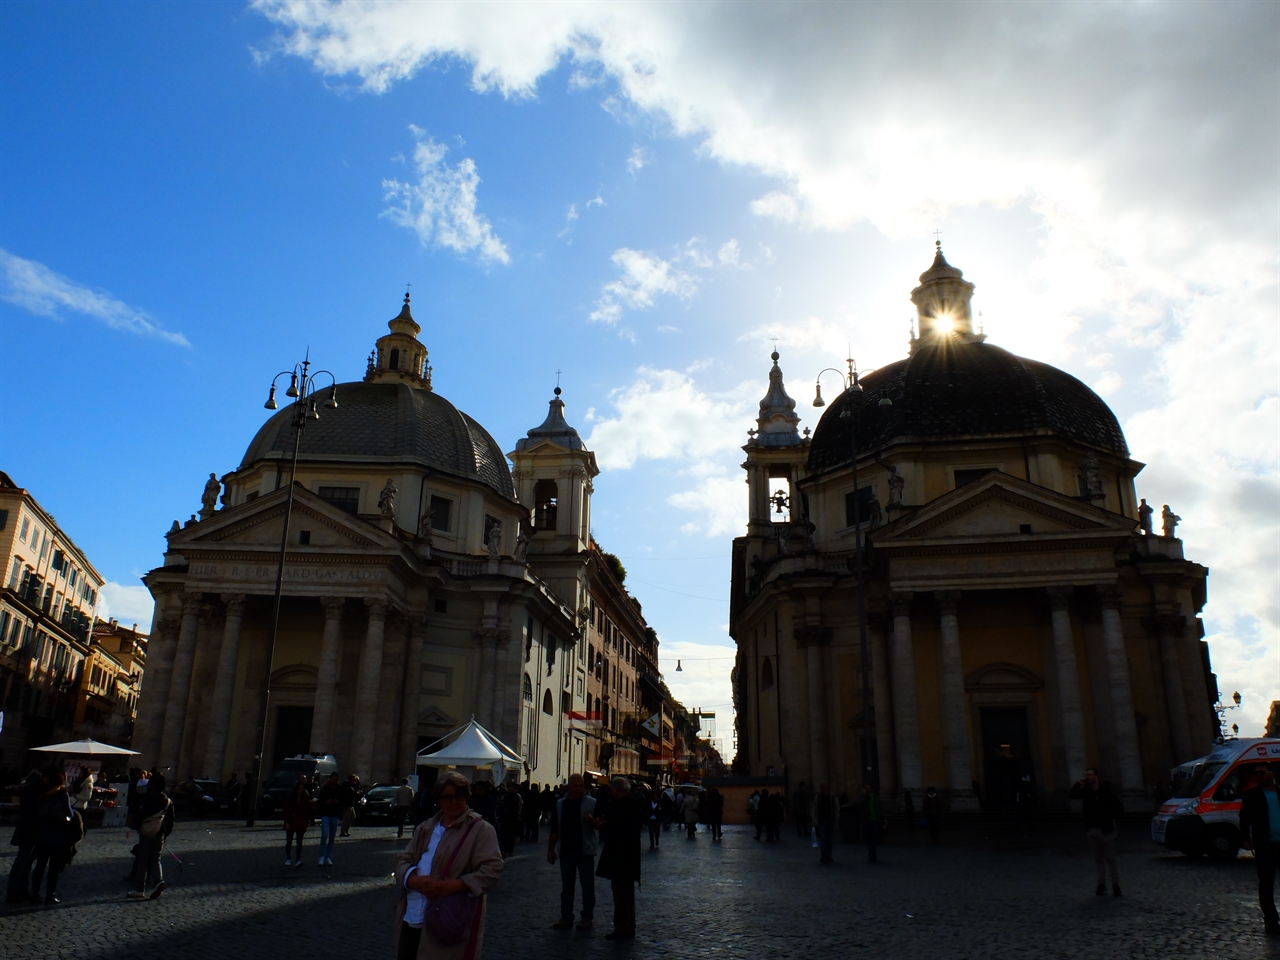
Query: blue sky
[[640, 196]]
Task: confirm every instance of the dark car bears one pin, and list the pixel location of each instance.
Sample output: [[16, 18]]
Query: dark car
[[200, 798], [275, 791], [379, 803]]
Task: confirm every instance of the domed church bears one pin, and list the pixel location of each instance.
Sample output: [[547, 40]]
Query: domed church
[[423, 586], [1024, 621]]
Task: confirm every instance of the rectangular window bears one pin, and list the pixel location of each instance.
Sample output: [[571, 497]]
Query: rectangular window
[[13, 576], [4, 626], [864, 506], [968, 476], [304, 537], [75, 576], [22, 530], [344, 498], [441, 514], [442, 606], [4, 519], [59, 558]]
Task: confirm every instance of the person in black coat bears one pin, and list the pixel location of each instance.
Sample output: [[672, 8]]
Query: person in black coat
[[24, 835], [620, 827], [156, 810], [54, 819], [1260, 826], [1100, 807]]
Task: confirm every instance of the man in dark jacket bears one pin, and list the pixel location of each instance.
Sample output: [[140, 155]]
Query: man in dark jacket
[[869, 819], [24, 836], [1100, 807], [1260, 825], [620, 826], [826, 817], [155, 823], [329, 806]]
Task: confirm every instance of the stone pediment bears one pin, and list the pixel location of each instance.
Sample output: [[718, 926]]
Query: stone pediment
[[433, 716], [260, 522], [1000, 506]]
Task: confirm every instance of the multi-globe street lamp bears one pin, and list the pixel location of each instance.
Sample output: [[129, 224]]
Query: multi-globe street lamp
[[870, 752], [302, 388]]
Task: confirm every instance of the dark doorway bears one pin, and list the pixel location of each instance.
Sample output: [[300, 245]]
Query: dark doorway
[[293, 733], [1006, 753]]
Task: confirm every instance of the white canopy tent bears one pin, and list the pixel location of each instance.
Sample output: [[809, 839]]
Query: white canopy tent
[[472, 747], [86, 748]]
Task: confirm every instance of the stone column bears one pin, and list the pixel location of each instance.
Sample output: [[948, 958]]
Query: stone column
[[155, 690], [410, 697], [955, 713], [881, 700], [327, 675], [906, 714], [1167, 629], [175, 711], [1126, 725], [1064, 650], [370, 676], [817, 704], [224, 686], [485, 638]]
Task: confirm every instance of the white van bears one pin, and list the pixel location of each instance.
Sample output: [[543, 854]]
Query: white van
[[1203, 815]]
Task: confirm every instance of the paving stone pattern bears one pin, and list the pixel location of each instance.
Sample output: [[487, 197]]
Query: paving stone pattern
[[973, 897]]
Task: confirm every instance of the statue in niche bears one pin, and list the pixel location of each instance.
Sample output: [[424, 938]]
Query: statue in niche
[[495, 540], [896, 484], [522, 546], [875, 517], [1092, 482], [807, 529], [387, 499], [1169, 520], [209, 499], [424, 525], [1144, 517]]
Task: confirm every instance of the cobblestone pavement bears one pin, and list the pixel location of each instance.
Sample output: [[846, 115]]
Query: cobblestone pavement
[[973, 897]]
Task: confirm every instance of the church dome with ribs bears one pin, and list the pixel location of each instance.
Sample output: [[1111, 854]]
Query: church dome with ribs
[[956, 387]]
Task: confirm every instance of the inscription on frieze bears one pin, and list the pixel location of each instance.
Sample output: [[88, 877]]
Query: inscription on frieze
[[261, 571]]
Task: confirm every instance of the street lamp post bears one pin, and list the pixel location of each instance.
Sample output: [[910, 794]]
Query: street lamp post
[[870, 751], [302, 388]]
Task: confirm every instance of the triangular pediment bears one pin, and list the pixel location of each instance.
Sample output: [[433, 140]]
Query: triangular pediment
[[1000, 506], [260, 523], [433, 716]]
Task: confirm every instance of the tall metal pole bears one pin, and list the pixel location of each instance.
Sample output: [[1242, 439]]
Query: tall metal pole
[[299, 421], [870, 757]]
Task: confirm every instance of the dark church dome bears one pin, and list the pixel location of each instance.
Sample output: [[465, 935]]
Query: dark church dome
[[389, 423], [959, 388]]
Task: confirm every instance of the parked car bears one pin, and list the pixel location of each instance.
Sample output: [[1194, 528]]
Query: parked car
[[275, 791], [380, 799], [193, 797], [1203, 815]]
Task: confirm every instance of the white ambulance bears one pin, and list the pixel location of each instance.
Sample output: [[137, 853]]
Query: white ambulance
[[1203, 816]]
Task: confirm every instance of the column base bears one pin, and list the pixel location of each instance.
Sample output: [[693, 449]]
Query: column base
[[963, 801]]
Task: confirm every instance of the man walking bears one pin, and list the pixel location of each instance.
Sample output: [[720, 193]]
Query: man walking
[[573, 842], [801, 802], [24, 836], [403, 801], [826, 814], [1100, 806], [351, 794], [869, 807], [1260, 824], [329, 805], [690, 811], [620, 860]]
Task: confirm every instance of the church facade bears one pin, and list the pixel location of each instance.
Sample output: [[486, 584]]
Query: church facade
[[1023, 619], [424, 584]]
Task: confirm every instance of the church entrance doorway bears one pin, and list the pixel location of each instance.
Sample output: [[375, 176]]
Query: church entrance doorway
[[293, 733], [1006, 754]]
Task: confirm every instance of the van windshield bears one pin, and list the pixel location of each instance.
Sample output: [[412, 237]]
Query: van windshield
[[1195, 784]]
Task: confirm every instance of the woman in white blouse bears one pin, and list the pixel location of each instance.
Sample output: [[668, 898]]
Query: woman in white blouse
[[455, 852]]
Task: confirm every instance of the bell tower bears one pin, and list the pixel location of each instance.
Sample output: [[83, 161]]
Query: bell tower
[[399, 357], [776, 458], [553, 478], [942, 304]]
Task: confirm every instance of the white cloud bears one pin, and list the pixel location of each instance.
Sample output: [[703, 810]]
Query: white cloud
[[637, 160], [663, 415], [39, 290], [644, 277], [129, 605], [719, 502], [1137, 139], [596, 201], [441, 206], [729, 255]]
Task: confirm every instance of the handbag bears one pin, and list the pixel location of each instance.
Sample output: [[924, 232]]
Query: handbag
[[450, 918]]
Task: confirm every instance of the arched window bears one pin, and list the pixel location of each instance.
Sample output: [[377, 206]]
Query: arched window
[[395, 360], [545, 497], [548, 705], [528, 689], [766, 674]]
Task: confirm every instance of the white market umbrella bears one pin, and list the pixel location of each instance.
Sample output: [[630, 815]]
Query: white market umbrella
[[86, 748], [474, 746]]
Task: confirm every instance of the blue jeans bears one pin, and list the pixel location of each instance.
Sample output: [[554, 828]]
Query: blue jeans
[[584, 868], [826, 836], [328, 830]]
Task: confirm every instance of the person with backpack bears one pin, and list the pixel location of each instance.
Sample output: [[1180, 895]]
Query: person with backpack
[[58, 830], [155, 823], [298, 810], [1100, 807]]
